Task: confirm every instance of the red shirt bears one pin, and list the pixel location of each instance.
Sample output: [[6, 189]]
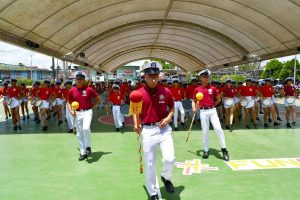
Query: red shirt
[[177, 93], [4, 91], [66, 94], [267, 90], [14, 91], [116, 97], [83, 96], [45, 93], [93, 87], [289, 90], [34, 91], [58, 92], [155, 104], [190, 91], [229, 92], [247, 91], [209, 92]]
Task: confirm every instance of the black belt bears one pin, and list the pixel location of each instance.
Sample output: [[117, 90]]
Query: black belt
[[206, 108], [151, 124], [80, 110]]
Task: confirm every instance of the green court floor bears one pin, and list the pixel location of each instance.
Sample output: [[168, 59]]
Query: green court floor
[[36, 165]]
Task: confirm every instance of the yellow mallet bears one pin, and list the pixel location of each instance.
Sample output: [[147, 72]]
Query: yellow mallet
[[199, 97], [75, 106]]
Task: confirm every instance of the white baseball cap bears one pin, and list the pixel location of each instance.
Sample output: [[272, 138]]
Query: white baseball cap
[[204, 72], [152, 68]]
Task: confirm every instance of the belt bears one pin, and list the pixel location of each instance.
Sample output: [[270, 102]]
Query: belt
[[206, 108], [151, 124], [80, 110]]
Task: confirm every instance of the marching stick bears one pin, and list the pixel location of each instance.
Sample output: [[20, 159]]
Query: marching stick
[[188, 136], [139, 141]]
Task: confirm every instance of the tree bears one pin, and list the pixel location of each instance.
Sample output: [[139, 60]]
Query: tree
[[165, 64], [272, 69], [288, 69]]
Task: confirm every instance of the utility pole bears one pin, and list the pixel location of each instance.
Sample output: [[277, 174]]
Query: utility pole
[[53, 68], [295, 69]]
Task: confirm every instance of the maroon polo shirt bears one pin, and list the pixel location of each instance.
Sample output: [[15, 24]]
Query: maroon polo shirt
[[209, 92], [289, 90], [155, 104], [83, 96]]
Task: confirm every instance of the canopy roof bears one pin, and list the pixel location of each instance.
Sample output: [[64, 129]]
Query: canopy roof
[[105, 34]]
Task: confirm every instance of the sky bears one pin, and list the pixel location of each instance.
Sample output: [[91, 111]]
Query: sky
[[11, 54]]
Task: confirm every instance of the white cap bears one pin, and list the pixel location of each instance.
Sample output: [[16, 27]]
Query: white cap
[[115, 86], [204, 72], [152, 68]]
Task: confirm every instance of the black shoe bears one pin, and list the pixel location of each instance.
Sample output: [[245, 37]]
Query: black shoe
[[257, 119], [154, 197], [194, 122], [38, 121], [6, 118], [24, 118], [183, 125], [288, 125], [227, 127], [266, 125], [168, 185], [175, 129], [34, 119], [19, 127], [15, 128], [82, 157], [205, 154], [28, 117], [9, 115], [88, 151], [270, 120], [279, 119], [255, 126], [276, 124], [261, 112], [70, 131], [294, 123], [45, 128], [240, 117], [60, 122], [199, 120], [247, 126], [123, 123], [117, 129], [225, 154], [230, 128]]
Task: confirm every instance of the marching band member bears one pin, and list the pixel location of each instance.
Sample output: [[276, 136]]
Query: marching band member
[[24, 101], [257, 101], [291, 94], [14, 92], [178, 95], [247, 92], [156, 131], [209, 113], [45, 93], [69, 117], [266, 93], [4, 94], [116, 98], [35, 97], [58, 94], [228, 93], [83, 95]]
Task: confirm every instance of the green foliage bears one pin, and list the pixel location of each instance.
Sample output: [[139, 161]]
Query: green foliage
[[28, 82], [272, 69], [165, 64], [288, 69], [237, 78], [246, 67]]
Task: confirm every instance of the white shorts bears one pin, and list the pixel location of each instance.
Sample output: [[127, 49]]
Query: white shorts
[[251, 102], [228, 106], [274, 100], [59, 101], [286, 104], [266, 106], [14, 103], [45, 104], [236, 100]]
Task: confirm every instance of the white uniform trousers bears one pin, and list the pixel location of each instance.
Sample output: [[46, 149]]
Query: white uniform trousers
[[117, 116], [83, 130], [211, 115], [178, 107], [70, 118], [152, 137]]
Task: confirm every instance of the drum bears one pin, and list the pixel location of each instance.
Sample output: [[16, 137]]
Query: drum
[[228, 101], [267, 101], [38, 102], [125, 109], [290, 100], [187, 104], [244, 102]]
